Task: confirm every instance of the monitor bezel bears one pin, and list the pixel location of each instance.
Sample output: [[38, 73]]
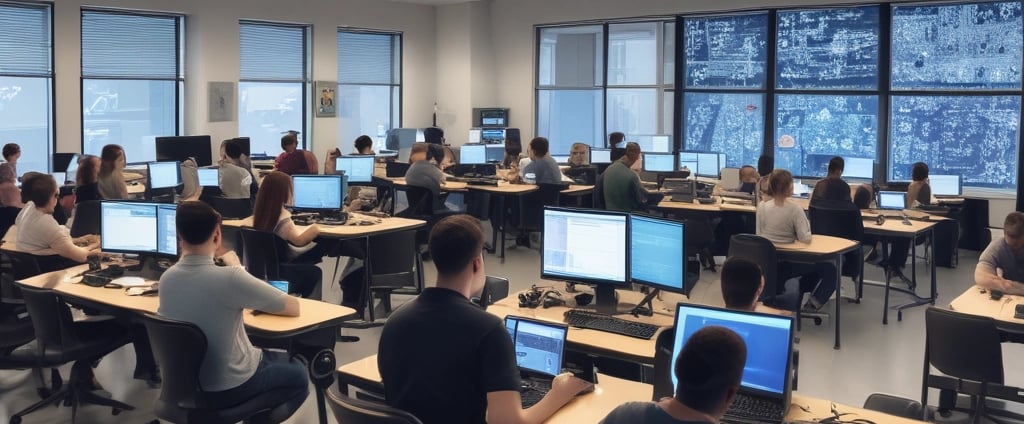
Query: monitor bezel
[[718, 159], [561, 326], [675, 162], [369, 158], [544, 274], [155, 206], [342, 184], [655, 284], [878, 200], [149, 175]]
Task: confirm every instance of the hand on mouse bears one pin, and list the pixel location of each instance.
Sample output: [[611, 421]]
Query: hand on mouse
[[566, 386]]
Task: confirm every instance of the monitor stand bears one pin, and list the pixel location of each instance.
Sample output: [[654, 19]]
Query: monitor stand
[[606, 301], [646, 306], [150, 267]]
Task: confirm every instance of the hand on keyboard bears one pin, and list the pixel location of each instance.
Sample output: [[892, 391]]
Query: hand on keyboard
[[567, 385]]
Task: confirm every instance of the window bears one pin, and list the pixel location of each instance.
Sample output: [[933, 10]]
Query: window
[[570, 95], [369, 98], [636, 88], [132, 79], [26, 82], [274, 80]]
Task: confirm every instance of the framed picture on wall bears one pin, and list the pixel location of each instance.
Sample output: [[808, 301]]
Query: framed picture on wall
[[323, 99], [221, 101]]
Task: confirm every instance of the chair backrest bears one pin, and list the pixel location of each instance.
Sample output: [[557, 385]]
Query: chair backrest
[[179, 348], [260, 253], [894, 405], [51, 322], [352, 410], [837, 222], [87, 218], [964, 346], [232, 208], [531, 205], [599, 192], [663, 366], [394, 259], [421, 201], [7, 216], [762, 252]]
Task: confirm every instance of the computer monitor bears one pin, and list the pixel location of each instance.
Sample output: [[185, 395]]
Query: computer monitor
[[163, 175], [138, 228], [209, 177], [659, 162], [561, 159], [862, 168], [495, 153], [358, 169], [473, 154], [661, 143], [769, 340], [245, 144], [490, 117], [587, 246], [72, 168], [474, 136], [656, 255], [540, 345], [60, 177], [182, 148], [707, 165], [401, 141], [688, 160], [599, 156], [895, 200], [60, 161], [492, 136], [946, 185], [317, 192]]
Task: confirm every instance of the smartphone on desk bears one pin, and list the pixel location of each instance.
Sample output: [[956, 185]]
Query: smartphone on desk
[[280, 285], [1018, 312]]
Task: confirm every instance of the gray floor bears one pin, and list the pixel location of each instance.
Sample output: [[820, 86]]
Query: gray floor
[[873, 358]]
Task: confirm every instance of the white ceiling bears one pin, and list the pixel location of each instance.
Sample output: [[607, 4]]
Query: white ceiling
[[434, 2]]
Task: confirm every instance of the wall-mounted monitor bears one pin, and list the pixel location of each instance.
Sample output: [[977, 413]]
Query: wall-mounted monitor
[[490, 117]]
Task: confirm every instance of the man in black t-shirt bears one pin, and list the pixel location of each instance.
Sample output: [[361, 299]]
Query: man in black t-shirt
[[445, 360], [832, 187]]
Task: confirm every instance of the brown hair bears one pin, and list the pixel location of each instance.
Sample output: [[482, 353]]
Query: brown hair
[[779, 182], [1013, 227], [108, 158], [11, 149], [88, 170], [710, 363], [454, 242], [274, 192], [196, 221], [39, 189], [740, 280]]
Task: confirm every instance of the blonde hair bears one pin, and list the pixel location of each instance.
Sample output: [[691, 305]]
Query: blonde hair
[[780, 181]]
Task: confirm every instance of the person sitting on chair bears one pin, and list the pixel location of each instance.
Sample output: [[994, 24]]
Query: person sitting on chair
[[427, 173], [292, 160], [542, 168], [742, 284], [832, 188], [622, 189], [214, 298], [87, 179], [1001, 265], [709, 369], [10, 194], [236, 181], [40, 234], [110, 181], [919, 192], [579, 155]]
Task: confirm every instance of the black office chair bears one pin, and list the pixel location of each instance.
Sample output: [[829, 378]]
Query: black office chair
[[87, 218], [598, 200], [663, 366], [894, 405], [59, 340], [530, 218], [762, 252], [698, 241], [7, 216], [179, 348], [351, 410], [262, 254], [395, 267], [843, 222], [967, 348], [15, 334], [427, 205], [232, 208]]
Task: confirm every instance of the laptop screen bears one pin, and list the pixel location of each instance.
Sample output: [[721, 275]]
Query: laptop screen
[[359, 169], [659, 162], [891, 200], [561, 159], [600, 156], [539, 345], [769, 340], [209, 177], [945, 185], [473, 154]]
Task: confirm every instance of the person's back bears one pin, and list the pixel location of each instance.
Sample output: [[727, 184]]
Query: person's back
[[918, 192], [426, 173], [293, 163], [235, 181], [831, 189], [780, 219], [112, 186], [620, 185], [545, 170], [85, 193]]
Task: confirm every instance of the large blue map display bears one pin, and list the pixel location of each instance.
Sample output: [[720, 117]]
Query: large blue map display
[[726, 51], [828, 49], [810, 127], [730, 123], [972, 136], [955, 47]]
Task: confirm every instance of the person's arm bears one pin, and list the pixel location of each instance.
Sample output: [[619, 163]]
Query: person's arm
[[986, 273], [64, 245], [639, 194], [505, 407], [311, 162], [251, 292], [759, 220], [801, 225], [330, 164], [306, 236]]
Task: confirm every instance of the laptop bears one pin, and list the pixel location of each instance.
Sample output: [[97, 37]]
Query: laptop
[[60, 177], [209, 177], [540, 350], [766, 385], [946, 186]]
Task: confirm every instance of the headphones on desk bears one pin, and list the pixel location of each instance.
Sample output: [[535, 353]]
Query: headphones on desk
[[540, 296]]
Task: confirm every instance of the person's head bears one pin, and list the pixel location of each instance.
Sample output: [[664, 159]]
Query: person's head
[[232, 150], [456, 246], [748, 174], [742, 283], [7, 174], [88, 170], [11, 152], [40, 189], [512, 152], [289, 142], [780, 184], [631, 155], [364, 145], [835, 166], [435, 153], [449, 158], [538, 147], [919, 171], [709, 369], [863, 196], [1013, 229], [198, 227], [275, 191], [615, 138], [579, 154], [112, 159], [418, 152], [765, 164]]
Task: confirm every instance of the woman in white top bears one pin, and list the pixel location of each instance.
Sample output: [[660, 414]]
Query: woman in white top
[[270, 215], [39, 233], [782, 221], [111, 182]]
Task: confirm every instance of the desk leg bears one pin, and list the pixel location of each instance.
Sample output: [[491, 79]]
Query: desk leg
[[501, 219], [935, 285], [366, 282], [839, 294], [919, 300], [885, 307], [860, 280]]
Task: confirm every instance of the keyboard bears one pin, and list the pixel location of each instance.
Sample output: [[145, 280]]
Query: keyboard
[[530, 396], [595, 321], [750, 409], [684, 198], [102, 277]]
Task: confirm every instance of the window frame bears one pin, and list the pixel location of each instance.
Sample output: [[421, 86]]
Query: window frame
[[50, 75], [307, 75], [397, 62]]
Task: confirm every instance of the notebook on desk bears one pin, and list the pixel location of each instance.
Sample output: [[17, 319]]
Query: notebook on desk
[[540, 348], [765, 389]]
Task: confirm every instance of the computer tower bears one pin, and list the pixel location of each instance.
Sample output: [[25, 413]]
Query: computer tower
[[512, 138]]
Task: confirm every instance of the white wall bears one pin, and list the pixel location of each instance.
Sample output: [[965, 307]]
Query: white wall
[[212, 55]]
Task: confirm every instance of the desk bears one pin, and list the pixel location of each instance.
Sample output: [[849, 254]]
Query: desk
[[976, 301], [308, 334], [611, 392], [822, 246], [136, 190], [896, 228]]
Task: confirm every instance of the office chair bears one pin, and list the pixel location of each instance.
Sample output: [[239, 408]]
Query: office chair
[[663, 366], [530, 218], [15, 351], [698, 240], [262, 255], [761, 251], [7, 216], [394, 267], [87, 218], [843, 222], [894, 405], [179, 348], [598, 200], [966, 348], [59, 340], [351, 410], [433, 135], [232, 208], [426, 205]]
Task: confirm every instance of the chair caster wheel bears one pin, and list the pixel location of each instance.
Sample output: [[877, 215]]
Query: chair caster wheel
[[899, 316], [15, 420], [115, 411], [817, 321], [43, 392]]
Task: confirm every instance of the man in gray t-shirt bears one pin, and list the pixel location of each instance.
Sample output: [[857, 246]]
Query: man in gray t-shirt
[[1001, 265], [213, 298], [543, 167]]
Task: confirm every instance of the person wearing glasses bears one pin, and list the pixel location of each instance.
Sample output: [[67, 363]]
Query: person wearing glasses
[[38, 231]]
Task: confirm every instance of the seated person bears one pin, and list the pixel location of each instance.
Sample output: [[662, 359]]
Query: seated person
[[764, 170], [270, 215], [293, 160], [359, 198], [579, 155], [542, 167], [11, 153], [742, 284], [1001, 265], [10, 194], [110, 181], [86, 179], [427, 173], [213, 298], [919, 192], [621, 186], [832, 188], [781, 220], [748, 181], [708, 369], [445, 360], [417, 152], [40, 234], [236, 181]]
